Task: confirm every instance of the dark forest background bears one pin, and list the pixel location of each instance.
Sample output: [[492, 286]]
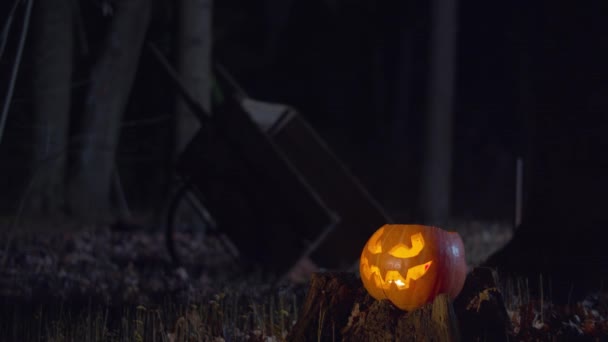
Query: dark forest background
[[429, 104], [358, 71], [473, 116]]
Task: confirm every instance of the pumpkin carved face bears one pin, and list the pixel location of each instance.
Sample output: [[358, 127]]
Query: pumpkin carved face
[[411, 264]]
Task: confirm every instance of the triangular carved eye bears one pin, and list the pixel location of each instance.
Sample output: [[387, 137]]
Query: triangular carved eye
[[400, 250]]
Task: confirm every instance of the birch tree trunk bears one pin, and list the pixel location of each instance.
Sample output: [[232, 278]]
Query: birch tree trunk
[[194, 43], [437, 169], [111, 82], [52, 76]]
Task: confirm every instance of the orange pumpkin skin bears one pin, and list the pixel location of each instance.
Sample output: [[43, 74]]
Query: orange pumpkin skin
[[411, 264]]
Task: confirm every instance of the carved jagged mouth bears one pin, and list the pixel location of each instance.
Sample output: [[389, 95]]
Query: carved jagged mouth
[[372, 272], [393, 277]]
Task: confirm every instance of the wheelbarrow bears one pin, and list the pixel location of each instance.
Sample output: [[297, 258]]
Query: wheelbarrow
[[243, 186]]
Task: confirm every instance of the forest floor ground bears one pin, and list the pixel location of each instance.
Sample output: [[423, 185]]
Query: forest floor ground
[[102, 285]]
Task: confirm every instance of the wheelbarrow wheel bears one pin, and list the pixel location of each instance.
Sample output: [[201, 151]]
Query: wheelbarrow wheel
[[186, 220]]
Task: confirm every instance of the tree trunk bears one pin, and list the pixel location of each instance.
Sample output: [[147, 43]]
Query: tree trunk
[[328, 304], [52, 76], [194, 43], [565, 212], [437, 169], [480, 308], [338, 308], [111, 81]]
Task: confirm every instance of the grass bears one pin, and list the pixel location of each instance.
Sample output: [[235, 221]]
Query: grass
[[245, 308], [224, 317], [239, 317], [210, 308]]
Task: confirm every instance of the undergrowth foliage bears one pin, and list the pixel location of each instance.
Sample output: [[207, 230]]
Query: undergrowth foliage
[[222, 317], [110, 286], [535, 315]]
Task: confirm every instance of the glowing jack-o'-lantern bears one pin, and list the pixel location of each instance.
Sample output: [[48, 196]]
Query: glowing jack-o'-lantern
[[411, 264]]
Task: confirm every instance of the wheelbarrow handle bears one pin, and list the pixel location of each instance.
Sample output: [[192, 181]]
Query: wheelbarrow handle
[[196, 108]]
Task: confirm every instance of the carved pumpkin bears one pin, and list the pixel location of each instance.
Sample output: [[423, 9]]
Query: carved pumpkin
[[411, 264]]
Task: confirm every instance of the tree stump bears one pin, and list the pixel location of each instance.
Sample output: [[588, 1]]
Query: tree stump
[[338, 308], [480, 308], [327, 306]]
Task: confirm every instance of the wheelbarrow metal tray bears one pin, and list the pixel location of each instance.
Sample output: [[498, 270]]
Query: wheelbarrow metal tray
[[254, 193], [360, 214]]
